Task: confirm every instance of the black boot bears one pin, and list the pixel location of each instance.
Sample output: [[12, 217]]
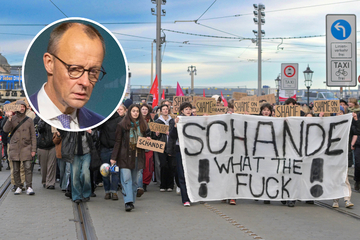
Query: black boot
[[145, 187]]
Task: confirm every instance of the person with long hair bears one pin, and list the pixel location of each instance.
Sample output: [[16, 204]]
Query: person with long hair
[[184, 110], [145, 178], [127, 155]]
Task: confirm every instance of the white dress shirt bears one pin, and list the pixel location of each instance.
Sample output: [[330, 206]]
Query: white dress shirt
[[49, 112]]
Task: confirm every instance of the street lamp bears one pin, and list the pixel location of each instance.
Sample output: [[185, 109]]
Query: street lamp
[[277, 82], [308, 81], [191, 70]]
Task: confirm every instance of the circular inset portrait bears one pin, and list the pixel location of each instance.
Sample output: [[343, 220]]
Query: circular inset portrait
[[75, 74]]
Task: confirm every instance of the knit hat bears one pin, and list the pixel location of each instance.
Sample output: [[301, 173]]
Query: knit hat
[[6, 102], [128, 102]]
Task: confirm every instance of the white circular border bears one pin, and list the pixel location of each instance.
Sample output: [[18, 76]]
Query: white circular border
[[126, 71]]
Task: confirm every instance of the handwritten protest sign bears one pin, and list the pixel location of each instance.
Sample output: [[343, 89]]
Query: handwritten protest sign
[[235, 156], [287, 111], [152, 145], [270, 98], [205, 107], [157, 127], [178, 100], [173, 115], [238, 95], [326, 106], [219, 110], [196, 98], [251, 107], [11, 107]]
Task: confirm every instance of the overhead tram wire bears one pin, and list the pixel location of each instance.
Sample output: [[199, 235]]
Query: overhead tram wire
[[206, 10], [279, 10], [58, 8]]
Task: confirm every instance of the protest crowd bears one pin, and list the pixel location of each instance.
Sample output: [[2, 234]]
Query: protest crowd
[[70, 161]]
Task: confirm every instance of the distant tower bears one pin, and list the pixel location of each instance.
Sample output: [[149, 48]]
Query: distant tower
[[4, 65]]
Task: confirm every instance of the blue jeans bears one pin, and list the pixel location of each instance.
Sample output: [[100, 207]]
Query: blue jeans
[[110, 182], [128, 178], [140, 179], [64, 173], [80, 177]]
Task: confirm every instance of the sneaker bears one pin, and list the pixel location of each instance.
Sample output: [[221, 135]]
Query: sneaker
[[162, 190], [266, 202], [128, 207], [348, 204], [232, 202], [140, 192], [186, 204], [30, 191], [115, 196], [100, 184], [169, 190], [335, 203], [178, 191], [14, 188], [18, 191], [291, 203], [107, 196]]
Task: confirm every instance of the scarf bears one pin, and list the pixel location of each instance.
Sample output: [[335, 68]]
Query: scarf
[[134, 134]]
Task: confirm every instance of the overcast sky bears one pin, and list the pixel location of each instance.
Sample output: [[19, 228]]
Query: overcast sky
[[220, 62]]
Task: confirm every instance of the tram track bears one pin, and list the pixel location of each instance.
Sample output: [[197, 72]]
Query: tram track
[[84, 226], [340, 210], [5, 188]]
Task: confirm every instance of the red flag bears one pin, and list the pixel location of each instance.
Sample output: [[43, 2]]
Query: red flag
[[163, 95], [155, 86], [203, 92], [155, 100], [224, 100], [179, 92]]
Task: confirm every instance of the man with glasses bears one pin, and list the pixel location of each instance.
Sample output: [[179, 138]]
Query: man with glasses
[[73, 62]]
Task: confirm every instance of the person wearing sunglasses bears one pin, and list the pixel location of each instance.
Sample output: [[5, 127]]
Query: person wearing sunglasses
[[73, 63]]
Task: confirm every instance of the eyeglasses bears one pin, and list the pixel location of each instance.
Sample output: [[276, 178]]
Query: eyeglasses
[[76, 71]]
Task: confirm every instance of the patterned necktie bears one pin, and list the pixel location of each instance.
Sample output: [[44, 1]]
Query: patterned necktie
[[65, 120]]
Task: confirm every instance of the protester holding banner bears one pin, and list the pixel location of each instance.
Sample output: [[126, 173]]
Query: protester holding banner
[[127, 155], [145, 178], [344, 104], [167, 162], [185, 110]]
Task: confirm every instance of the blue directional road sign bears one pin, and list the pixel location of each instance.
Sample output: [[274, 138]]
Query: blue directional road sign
[[341, 50], [341, 29]]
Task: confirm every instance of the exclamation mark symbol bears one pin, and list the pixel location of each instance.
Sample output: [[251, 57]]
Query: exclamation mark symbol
[[203, 178], [316, 174]]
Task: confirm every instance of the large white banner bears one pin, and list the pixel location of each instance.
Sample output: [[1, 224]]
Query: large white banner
[[236, 156]]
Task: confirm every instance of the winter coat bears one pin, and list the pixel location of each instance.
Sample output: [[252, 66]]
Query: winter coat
[[122, 154], [45, 137], [108, 131], [69, 144], [170, 143], [23, 140]]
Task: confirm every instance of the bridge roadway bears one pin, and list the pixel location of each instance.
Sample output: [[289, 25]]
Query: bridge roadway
[[50, 215]]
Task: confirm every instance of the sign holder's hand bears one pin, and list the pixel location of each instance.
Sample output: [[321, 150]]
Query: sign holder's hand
[[112, 162], [355, 116]]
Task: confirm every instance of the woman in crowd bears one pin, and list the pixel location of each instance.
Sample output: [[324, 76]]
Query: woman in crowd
[[266, 110], [127, 155], [184, 110], [145, 178]]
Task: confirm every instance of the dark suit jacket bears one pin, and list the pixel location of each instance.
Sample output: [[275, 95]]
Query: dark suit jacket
[[86, 117]]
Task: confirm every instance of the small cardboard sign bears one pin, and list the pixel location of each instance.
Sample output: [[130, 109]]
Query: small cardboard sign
[[287, 110], [197, 98], [157, 127], [238, 95], [270, 98], [178, 100], [326, 106], [251, 107], [152, 145], [11, 107], [53, 129], [173, 116], [219, 110], [205, 107]]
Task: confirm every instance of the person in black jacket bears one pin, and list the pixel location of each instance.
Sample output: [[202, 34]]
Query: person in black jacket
[[4, 136], [46, 154], [167, 161], [107, 143]]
